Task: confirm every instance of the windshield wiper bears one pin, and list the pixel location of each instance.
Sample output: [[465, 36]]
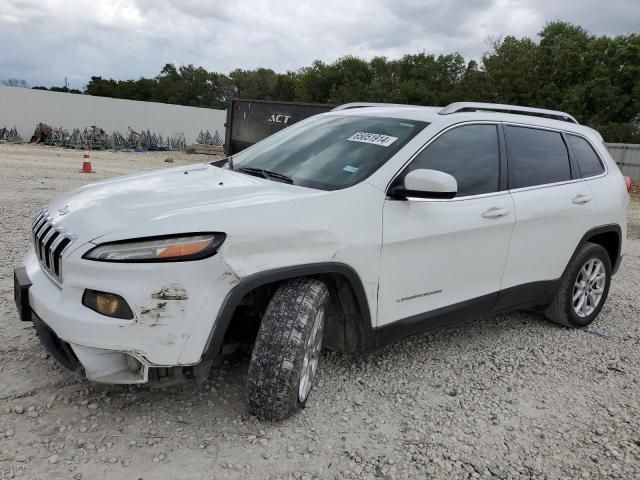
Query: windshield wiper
[[221, 163], [261, 172]]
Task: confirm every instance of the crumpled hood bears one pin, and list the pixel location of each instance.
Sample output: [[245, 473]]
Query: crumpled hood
[[173, 200]]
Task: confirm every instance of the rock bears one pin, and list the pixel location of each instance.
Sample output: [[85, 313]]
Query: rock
[[54, 459], [19, 409], [290, 449]]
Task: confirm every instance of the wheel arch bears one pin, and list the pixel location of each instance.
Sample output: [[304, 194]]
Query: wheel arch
[[337, 275], [608, 237]]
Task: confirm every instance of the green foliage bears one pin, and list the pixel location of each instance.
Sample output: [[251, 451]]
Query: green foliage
[[596, 79]]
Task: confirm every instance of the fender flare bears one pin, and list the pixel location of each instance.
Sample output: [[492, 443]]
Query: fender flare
[[609, 228], [247, 284]]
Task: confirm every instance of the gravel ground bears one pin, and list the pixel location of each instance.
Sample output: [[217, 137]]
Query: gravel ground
[[506, 397]]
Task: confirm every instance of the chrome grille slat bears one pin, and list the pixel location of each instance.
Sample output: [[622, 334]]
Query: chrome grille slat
[[42, 222], [50, 242], [57, 267], [43, 228], [36, 220], [48, 230], [52, 250]]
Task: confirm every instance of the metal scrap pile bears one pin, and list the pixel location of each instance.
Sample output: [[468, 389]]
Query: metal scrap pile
[[96, 138], [207, 139], [146, 140], [10, 135], [92, 137]]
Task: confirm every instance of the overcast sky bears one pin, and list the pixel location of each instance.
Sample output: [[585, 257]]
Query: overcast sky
[[43, 41]]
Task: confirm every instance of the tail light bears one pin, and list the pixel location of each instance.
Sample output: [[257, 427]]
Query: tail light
[[628, 182]]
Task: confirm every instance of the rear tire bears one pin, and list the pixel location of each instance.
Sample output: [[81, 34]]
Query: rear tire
[[286, 352], [583, 288]]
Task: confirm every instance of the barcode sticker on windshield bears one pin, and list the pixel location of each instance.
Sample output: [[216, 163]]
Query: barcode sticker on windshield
[[373, 138]]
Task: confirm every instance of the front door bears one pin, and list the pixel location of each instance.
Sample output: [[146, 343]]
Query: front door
[[443, 259]]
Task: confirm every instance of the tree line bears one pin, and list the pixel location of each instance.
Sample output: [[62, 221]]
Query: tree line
[[595, 78]]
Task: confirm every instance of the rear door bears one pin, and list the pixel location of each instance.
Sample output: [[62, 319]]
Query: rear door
[[554, 206], [444, 258]]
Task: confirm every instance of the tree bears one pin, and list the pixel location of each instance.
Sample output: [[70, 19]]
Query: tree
[[15, 82], [596, 79]]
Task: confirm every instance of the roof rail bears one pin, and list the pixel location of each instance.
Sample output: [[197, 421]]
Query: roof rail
[[348, 106], [497, 107]]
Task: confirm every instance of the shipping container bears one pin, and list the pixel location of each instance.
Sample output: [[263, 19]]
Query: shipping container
[[249, 121]]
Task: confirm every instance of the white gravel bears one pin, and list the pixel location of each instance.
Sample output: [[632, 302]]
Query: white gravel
[[506, 397]]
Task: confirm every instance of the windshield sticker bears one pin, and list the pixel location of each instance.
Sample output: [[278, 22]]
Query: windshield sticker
[[373, 138], [350, 169]]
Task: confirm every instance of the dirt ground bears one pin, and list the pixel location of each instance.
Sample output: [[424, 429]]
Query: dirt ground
[[511, 396]]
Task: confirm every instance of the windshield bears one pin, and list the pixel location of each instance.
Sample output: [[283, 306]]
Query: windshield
[[328, 152]]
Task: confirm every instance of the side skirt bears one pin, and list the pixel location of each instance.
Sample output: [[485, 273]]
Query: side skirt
[[522, 296]]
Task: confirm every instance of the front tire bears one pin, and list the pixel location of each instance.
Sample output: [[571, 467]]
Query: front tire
[[287, 349], [583, 288]]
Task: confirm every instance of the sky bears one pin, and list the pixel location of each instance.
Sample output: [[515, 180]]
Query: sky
[[44, 41]]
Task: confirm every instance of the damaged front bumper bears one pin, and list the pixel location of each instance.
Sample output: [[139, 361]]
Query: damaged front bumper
[[174, 307]]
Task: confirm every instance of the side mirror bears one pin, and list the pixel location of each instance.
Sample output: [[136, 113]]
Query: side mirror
[[423, 183]]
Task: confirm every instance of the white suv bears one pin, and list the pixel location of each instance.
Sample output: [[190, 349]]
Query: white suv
[[347, 230]]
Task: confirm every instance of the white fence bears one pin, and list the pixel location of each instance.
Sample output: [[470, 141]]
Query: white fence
[[25, 108], [627, 156]]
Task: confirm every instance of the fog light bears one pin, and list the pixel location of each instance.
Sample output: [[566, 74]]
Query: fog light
[[108, 304], [132, 364]]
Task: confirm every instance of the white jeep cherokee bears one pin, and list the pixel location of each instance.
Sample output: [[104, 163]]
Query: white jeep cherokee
[[347, 230]]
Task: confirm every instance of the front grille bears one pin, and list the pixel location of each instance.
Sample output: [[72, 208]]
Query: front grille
[[49, 241]]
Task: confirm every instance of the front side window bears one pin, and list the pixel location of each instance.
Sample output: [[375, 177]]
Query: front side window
[[588, 160], [329, 152], [536, 157], [469, 153]]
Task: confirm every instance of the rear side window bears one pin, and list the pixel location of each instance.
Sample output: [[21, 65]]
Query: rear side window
[[587, 158], [469, 153], [536, 157]]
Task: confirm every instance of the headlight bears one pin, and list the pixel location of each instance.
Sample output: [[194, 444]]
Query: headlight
[[172, 248]]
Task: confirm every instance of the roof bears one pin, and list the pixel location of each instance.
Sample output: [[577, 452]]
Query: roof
[[465, 111]]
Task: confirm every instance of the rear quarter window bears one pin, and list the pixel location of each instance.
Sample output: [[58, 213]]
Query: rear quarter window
[[588, 160]]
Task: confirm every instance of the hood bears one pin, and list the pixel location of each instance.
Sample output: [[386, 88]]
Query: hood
[[174, 200]]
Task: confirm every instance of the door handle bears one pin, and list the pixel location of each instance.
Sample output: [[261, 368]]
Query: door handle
[[581, 199], [495, 212]]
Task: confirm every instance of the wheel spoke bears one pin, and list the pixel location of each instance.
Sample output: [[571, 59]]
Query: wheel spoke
[[311, 359], [584, 273], [589, 287], [595, 272], [580, 304], [577, 294]]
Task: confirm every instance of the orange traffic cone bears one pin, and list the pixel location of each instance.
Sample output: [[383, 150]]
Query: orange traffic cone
[[86, 163]]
